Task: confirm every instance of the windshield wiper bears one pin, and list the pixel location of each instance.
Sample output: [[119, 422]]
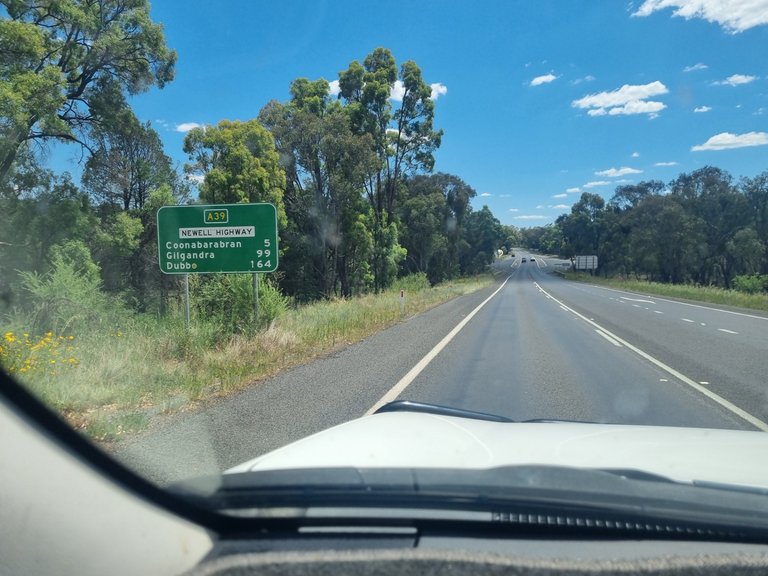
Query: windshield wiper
[[440, 410], [424, 408], [505, 498]]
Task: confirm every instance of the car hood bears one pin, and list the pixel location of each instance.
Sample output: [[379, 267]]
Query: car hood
[[418, 440]]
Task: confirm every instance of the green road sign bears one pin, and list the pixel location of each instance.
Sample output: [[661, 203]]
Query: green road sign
[[217, 238]]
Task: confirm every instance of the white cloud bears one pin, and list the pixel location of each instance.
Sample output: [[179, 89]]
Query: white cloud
[[588, 78], [560, 196], [195, 178], [531, 217], [728, 141], [702, 109], [486, 194], [438, 90], [540, 207], [637, 107], [514, 209], [629, 99], [333, 88], [736, 80], [546, 79], [397, 92], [665, 164], [617, 172], [560, 207], [733, 15], [635, 154], [695, 67], [187, 126], [596, 184], [573, 190]]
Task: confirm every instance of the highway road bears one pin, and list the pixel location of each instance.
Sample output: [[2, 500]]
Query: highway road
[[534, 346]]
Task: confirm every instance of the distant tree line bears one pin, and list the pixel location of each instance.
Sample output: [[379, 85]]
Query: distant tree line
[[700, 228], [350, 174]]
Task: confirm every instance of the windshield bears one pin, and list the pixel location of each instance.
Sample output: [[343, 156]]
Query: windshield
[[226, 228]]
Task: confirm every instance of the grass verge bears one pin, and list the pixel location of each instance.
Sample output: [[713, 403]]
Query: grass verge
[[708, 294], [115, 382]]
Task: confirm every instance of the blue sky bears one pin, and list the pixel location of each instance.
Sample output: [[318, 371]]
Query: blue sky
[[539, 100]]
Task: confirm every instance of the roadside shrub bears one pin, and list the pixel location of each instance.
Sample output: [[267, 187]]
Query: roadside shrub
[[68, 298], [751, 284], [228, 301], [272, 302], [412, 283]]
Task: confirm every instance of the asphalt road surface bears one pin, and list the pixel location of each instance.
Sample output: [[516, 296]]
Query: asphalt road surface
[[533, 346]]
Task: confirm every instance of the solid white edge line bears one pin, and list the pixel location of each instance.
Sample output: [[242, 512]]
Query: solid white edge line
[[743, 414], [406, 380], [611, 340]]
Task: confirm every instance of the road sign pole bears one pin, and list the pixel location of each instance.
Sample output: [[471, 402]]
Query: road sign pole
[[186, 294], [256, 295]]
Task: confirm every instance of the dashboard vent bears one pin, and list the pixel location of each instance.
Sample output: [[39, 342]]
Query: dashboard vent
[[610, 525]]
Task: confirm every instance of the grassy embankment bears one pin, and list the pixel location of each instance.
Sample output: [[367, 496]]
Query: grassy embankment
[[114, 382], [708, 294]]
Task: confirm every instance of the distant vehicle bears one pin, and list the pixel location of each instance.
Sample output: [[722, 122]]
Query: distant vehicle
[[524, 260], [533, 259]]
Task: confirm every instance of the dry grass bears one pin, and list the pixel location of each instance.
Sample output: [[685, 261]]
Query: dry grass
[[126, 378]]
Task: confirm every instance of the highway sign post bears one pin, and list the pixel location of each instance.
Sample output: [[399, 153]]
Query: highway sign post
[[216, 239], [585, 263], [223, 238]]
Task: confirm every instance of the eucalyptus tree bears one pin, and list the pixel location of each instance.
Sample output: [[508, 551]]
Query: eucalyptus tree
[[433, 210], [236, 162], [710, 195], [328, 235], [396, 110], [128, 163], [66, 65]]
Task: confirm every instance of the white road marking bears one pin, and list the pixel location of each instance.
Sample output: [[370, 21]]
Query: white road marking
[[687, 320], [637, 305], [663, 380], [686, 303], [566, 309], [727, 331], [743, 414], [607, 337], [658, 312], [406, 380], [704, 382], [703, 323], [637, 300]]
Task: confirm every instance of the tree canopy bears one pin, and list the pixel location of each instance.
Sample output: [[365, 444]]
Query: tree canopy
[[66, 65]]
